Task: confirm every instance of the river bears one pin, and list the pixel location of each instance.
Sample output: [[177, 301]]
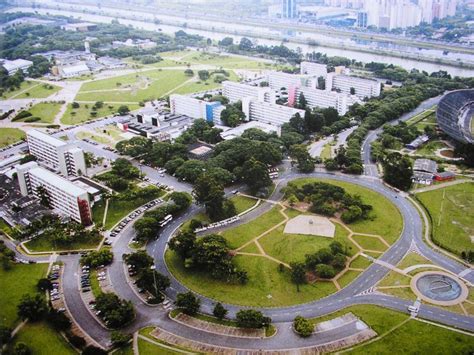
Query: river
[[217, 31]]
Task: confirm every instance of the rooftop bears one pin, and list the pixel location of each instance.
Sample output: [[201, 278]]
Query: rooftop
[[46, 138], [57, 180]]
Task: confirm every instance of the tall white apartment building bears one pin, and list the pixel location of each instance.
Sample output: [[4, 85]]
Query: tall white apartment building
[[194, 108], [62, 195], [326, 99], [362, 87], [265, 112], [314, 69], [56, 154], [278, 80], [237, 91]]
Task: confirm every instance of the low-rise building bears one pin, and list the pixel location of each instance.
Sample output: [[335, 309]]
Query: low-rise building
[[62, 195], [73, 70], [314, 69], [360, 87], [195, 108], [424, 170], [417, 142], [12, 66]]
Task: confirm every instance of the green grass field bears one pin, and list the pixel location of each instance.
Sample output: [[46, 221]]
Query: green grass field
[[31, 89], [369, 243], [452, 213], [46, 244], [420, 338], [385, 219], [83, 113], [360, 263], [42, 340], [430, 148], [267, 287], [348, 277], [243, 203], [294, 247], [95, 137], [14, 283], [47, 111], [412, 259], [10, 135]]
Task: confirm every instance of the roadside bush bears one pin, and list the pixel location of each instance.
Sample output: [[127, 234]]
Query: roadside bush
[[250, 318], [97, 258], [188, 302], [32, 119], [114, 311], [21, 115], [303, 326], [76, 341]]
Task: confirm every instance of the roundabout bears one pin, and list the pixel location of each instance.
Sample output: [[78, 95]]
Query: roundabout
[[439, 288]]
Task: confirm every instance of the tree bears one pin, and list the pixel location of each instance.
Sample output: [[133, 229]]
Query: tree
[[226, 42], [123, 110], [298, 274], [21, 349], [139, 260], [305, 162], [5, 335], [120, 339], [183, 243], [203, 75], [188, 302], [75, 105], [189, 72], [153, 282], [182, 200], [250, 318], [97, 258], [146, 228], [303, 326], [219, 311], [245, 44], [325, 271], [33, 308], [114, 311], [397, 171], [255, 175], [352, 91], [93, 350], [302, 102], [44, 284]]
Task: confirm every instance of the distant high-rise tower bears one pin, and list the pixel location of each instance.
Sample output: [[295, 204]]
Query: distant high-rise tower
[[288, 8], [87, 47], [362, 19]]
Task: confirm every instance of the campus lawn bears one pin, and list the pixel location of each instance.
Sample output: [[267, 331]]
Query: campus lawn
[[95, 286], [348, 277], [83, 113], [452, 216], [39, 91], [251, 248], [294, 247], [243, 203], [95, 137], [162, 346], [369, 243], [197, 85], [430, 148], [267, 286], [240, 235], [47, 111], [412, 259], [14, 283], [147, 348], [415, 337], [47, 244], [42, 340], [10, 135], [25, 85], [394, 279], [360, 262], [4, 227], [384, 220], [148, 85]]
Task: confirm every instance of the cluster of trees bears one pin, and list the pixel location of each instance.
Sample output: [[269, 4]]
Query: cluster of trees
[[210, 193], [327, 199], [316, 120], [60, 233], [245, 318], [98, 258], [325, 263], [232, 115], [10, 83], [209, 253], [147, 278], [121, 175], [147, 226], [115, 312], [303, 326], [241, 159], [397, 170], [304, 161]]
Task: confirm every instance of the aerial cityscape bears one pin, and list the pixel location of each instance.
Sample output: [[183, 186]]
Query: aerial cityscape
[[236, 177]]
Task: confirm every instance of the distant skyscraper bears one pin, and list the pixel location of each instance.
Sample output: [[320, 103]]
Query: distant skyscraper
[[288, 8], [362, 19]]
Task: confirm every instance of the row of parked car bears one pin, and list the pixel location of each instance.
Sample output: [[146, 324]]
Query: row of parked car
[[134, 215], [85, 279], [54, 276]]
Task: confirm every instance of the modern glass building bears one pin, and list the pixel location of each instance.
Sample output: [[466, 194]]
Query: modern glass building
[[455, 115]]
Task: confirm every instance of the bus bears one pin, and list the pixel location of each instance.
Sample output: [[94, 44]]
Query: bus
[[166, 220]]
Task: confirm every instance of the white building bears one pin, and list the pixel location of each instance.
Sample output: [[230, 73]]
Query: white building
[[344, 83], [195, 108], [268, 113], [12, 66], [62, 195], [278, 80], [56, 154], [73, 70], [326, 99], [314, 69], [231, 133], [237, 91]]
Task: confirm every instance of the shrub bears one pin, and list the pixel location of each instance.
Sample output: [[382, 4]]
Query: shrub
[[250, 318], [32, 119], [303, 326], [188, 302], [325, 271], [21, 115]]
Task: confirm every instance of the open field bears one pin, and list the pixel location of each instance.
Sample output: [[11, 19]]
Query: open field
[[360, 263], [242, 203], [348, 277], [46, 244], [369, 243], [43, 340], [294, 247], [385, 219], [83, 113], [267, 287], [10, 135], [14, 283], [430, 148], [30, 90], [452, 216], [95, 137], [47, 111]]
